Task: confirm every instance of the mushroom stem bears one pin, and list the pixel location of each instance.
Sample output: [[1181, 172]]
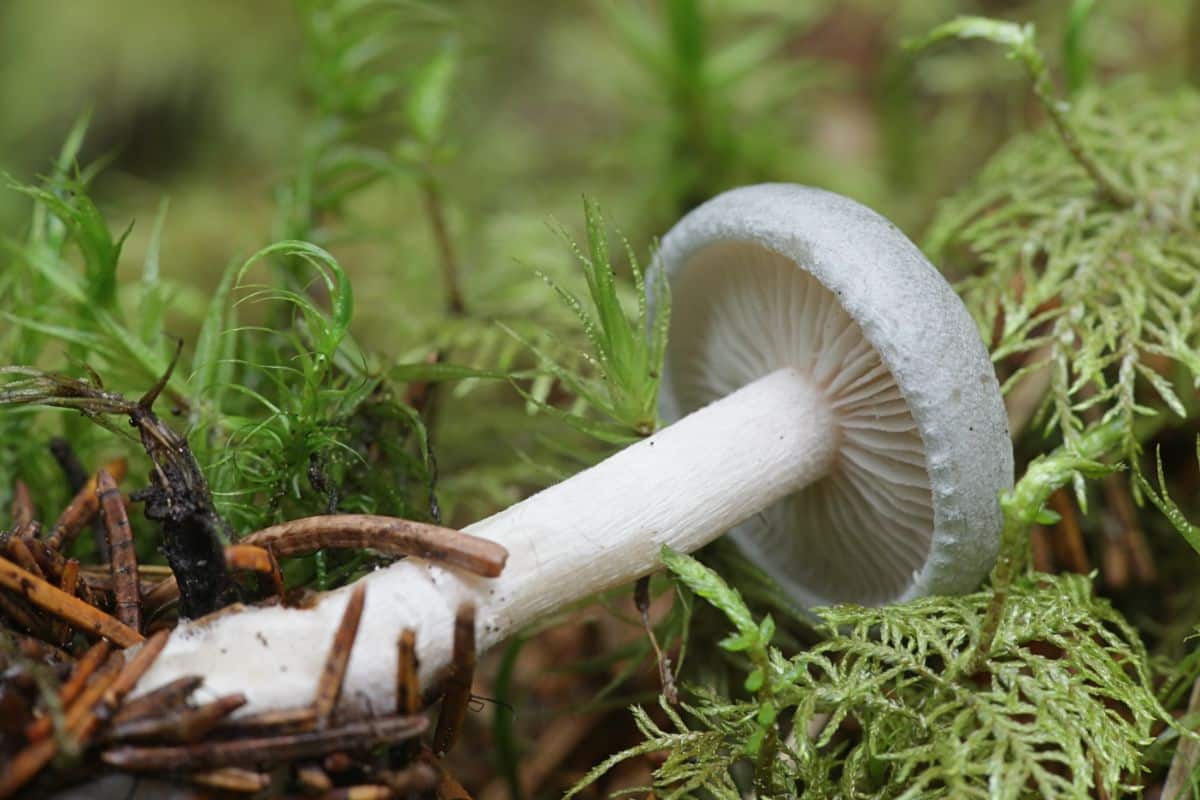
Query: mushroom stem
[[604, 527]]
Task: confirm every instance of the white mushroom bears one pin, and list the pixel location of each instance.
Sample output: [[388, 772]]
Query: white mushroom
[[834, 404]]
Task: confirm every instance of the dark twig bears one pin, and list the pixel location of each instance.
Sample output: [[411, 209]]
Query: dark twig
[[99, 652], [20, 613], [390, 535], [1069, 549], [448, 787], [641, 599], [81, 615], [82, 509], [458, 683], [408, 687], [356, 736], [72, 468], [417, 778], [232, 779], [435, 211], [23, 766], [249, 557], [23, 512], [313, 779], [237, 557], [82, 713], [77, 476], [274, 722], [179, 725], [68, 581], [178, 496], [333, 674], [362, 791], [18, 552], [166, 698], [109, 686], [120, 547], [137, 667], [1183, 765]]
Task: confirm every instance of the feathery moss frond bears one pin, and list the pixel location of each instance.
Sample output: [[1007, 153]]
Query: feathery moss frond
[[1081, 241], [889, 706]]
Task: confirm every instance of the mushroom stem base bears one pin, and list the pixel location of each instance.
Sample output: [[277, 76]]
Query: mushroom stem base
[[603, 527]]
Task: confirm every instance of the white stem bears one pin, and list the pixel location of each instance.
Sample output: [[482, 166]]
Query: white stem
[[602, 528]]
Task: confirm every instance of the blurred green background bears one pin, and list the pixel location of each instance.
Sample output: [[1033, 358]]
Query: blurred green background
[[209, 104]]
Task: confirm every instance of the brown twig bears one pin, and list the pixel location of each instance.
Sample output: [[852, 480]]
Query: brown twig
[[82, 508], [435, 211], [68, 581], [23, 512], [363, 791], [163, 594], [237, 557], [313, 779], [83, 711], [232, 779], [21, 613], [99, 652], [248, 558], [19, 553], [1186, 756], [556, 743], [357, 736], [458, 683], [333, 674], [1116, 491], [25, 765], [408, 687], [137, 667], [106, 690], [49, 560], [448, 787], [123, 556], [390, 535], [166, 698], [641, 599], [417, 778], [72, 468], [337, 762], [1041, 549], [252, 558], [179, 725], [1069, 550], [43, 651], [81, 615], [276, 721]]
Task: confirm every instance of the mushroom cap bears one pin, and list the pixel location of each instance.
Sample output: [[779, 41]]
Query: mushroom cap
[[776, 275]]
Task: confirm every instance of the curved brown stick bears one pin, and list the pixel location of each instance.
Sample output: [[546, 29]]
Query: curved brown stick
[[123, 557], [82, 508], [390, 535], [23, 512]]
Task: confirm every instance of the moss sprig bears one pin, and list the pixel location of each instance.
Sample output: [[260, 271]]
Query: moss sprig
[[892, 704], [1081, 249]]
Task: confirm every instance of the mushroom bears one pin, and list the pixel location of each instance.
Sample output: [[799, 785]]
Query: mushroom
[[831, 402]]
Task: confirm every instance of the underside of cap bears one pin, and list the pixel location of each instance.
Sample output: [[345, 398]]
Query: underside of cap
[[780, 275]]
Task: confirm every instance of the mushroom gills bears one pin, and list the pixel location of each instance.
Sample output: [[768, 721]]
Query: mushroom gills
[[860, 532]]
